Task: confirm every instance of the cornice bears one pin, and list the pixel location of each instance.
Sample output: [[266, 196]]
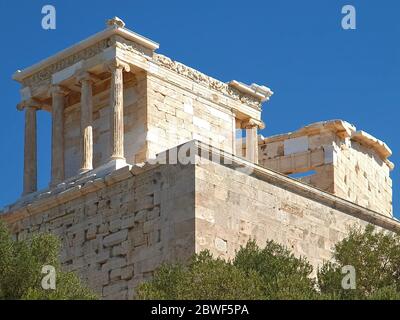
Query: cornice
[[233, 89], [82, 50]]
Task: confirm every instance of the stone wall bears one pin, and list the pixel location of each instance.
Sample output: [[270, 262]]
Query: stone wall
[[176, 116], [362, 177], [334, 160], [116, 230], [311, 155], [232, 207]]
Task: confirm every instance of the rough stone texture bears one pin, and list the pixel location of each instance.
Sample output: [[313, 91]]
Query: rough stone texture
[[232, 207], [177, 115], [117, 230], [361, 176], [115, 237], [118, 222], [338, 159]]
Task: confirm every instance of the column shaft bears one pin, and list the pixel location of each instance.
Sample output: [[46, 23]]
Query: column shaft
[[117, 113], [30, 151], [252, 144]]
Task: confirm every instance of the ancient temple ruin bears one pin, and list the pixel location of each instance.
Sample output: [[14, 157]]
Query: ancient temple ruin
[[339, 159], [118, 107]]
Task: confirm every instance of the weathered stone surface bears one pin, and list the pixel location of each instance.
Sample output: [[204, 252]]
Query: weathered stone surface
[[121, 220], [108, 247], [115, 238], [336, 158], [264, 210]]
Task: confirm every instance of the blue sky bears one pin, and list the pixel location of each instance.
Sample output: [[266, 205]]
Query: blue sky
[[317, 70]]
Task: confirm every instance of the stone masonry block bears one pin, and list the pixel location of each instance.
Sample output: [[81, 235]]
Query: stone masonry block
[[115, 238]]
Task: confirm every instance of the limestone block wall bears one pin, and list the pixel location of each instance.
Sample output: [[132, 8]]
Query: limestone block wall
[[291, 155], [312, 155], [334, 160], [362, 177], [177, 115], [116, 230], [232, 207], [135, 119]]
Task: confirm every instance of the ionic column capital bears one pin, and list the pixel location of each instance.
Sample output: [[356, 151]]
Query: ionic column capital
[[30, 103], [84, 75], [252, 141], [116, 63], [59, 90], [253, 123]]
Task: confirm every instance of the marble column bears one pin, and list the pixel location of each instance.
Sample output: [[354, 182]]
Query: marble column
[[116, 67], [86, 122], [30, 151], [57, 135], [251, 141]]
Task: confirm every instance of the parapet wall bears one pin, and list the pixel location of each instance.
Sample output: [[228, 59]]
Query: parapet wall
[[117, 229], [336, 158]]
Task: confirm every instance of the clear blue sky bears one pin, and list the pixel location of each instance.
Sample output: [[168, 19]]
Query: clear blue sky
[[317, 70]]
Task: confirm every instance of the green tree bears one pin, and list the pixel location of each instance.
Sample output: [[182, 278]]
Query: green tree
[[21, 265], [269, 273], [375, 257], [283, 276], [275, 273], [202, 278]]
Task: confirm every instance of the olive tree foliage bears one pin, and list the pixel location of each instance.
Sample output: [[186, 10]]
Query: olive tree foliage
[[375, 257], [21, 266], [256, 274], [202, 278], [273, 272], [281, 274]]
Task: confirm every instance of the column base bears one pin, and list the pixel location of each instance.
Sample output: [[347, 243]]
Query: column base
[[111, 165], [83, 171]]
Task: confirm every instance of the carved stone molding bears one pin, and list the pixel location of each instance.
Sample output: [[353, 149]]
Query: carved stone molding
[[84, 75], [31, 103], [115, 22], [130, 46], [117, 64], [253, 123], [43, 77], [205, 80], [59, 90]]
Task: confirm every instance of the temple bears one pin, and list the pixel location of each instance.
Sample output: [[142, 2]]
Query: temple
[[153, 161], [110, 105]]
